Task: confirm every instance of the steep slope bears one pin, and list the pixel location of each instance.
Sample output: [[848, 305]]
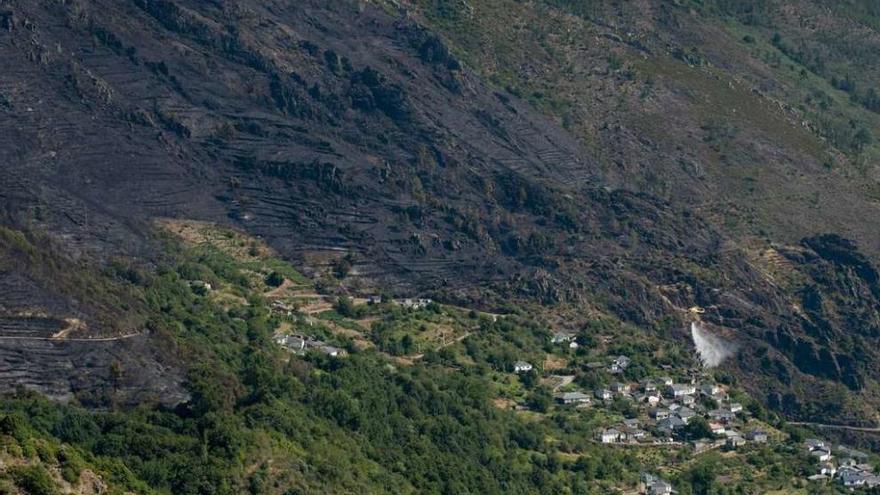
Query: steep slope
[[761, 115], [343, 128]]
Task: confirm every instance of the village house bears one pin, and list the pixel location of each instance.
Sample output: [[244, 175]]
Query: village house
[[680, 389], [292, 342], [619, 364], [637, 434], [828, 469], [710, 389], [656, 486], [814, 443], [299, 345], [330, 350], [603, 394], [414, 303], [757, 436], [721, 415], [735, 440], [687, 400], [573, 398], [686, 414], [560, 338], [665, 380], [735, 407], [717, 428], [631, 423], [821, 454], [609, 436], [522, 367], [649, 386], [619, 388], [670, 424], [660, 414]]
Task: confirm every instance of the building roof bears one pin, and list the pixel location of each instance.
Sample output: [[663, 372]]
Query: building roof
[[574, 396]]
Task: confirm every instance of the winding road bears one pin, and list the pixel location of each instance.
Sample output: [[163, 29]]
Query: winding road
[[864, 429]]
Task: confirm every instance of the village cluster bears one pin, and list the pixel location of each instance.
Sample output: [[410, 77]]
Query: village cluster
[[665, 407], [845, 465]]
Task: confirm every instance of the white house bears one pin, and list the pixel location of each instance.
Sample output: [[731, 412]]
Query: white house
[[609, 436], [821, 454], [735, 407], [603, 393], [522, 367], [573, 398], [828, 469], [680, 389], [814, 443]]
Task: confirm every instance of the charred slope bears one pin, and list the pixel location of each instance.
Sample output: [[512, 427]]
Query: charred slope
[[337, 127]]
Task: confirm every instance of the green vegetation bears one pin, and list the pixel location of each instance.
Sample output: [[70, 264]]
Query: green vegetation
[[423, 404]]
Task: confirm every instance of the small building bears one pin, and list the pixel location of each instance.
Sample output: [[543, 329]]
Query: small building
[[573, 398], [821, 454], [814, 443], [721, 415], [660, 414], [660, 487], [680, 389], [619, 387], [670, 424], [665, 380], [522, 367], [828, 469], [622, 362], [686, 414], [710, 389], [649, 386], [687, 400], [631, 423], [330, 350], [292, 342], [757, 436], [609, 436], [655, 485], [603, 394], [717, 428], [735, 407], [560, 338], [735, 441]]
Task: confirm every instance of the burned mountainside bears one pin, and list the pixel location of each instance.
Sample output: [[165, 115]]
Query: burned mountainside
[[352, 128]]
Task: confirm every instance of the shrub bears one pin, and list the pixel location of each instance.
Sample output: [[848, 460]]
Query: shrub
[[34, 480]]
